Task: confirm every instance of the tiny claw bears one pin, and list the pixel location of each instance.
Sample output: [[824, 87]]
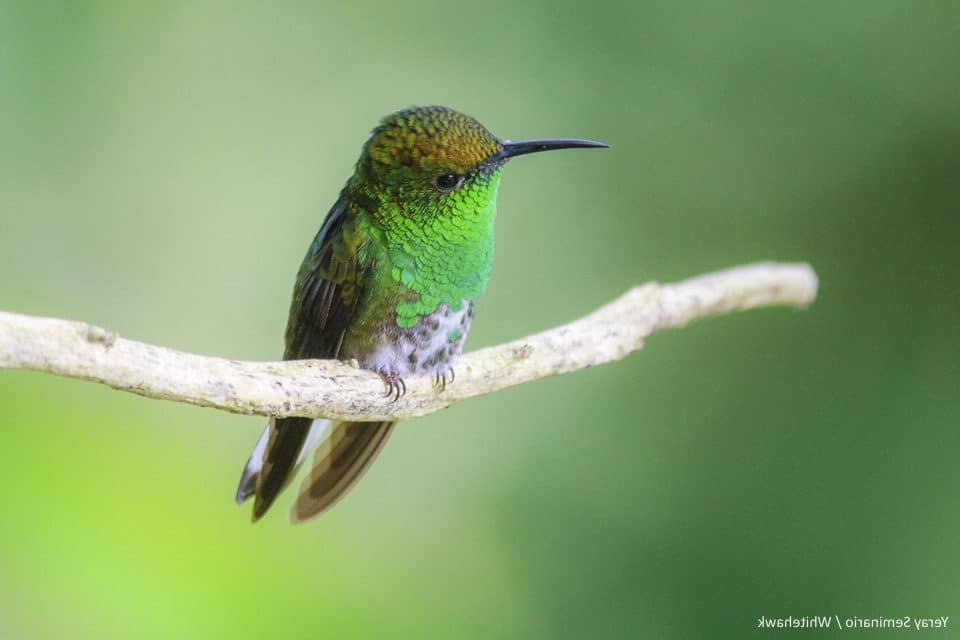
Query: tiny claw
[[396, 387], [441, 379]]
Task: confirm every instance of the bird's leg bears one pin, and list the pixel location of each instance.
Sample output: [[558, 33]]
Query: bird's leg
[[442, 377], [396, 387]]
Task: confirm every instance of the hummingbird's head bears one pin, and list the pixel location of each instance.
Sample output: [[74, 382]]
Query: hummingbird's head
[[429, 139], [425, 160]]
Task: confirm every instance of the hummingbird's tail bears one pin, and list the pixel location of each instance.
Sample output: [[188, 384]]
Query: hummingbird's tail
[[251, 472], [339, 461], [248, 479], [344, 451]]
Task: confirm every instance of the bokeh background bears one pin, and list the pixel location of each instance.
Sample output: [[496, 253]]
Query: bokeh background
[[163, 167]]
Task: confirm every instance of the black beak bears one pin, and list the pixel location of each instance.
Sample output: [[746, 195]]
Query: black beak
[[511, 149]]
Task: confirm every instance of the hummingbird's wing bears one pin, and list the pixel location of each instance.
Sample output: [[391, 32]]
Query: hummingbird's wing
[[326, 293], [324, 300]]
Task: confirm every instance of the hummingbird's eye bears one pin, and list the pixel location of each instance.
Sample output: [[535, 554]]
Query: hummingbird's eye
[[448, 181]]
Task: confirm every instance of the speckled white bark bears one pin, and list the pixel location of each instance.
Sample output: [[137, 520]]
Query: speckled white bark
[[331, 389]]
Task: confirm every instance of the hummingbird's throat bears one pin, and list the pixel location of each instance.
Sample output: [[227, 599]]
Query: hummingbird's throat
[[444, 257]]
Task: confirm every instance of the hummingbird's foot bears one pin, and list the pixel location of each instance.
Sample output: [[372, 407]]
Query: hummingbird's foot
[[396, 387], [440, 379]]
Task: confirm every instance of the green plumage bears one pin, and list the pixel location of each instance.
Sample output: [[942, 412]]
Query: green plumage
[[390, 280]]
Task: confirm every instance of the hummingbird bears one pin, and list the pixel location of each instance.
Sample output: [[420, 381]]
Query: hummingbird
[[390, 281]]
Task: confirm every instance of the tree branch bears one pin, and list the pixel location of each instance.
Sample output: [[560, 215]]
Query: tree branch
[[332, 389]]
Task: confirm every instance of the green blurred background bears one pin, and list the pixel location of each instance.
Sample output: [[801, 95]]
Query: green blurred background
[[163, 167]]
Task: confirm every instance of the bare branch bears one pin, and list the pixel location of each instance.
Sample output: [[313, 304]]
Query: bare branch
[[331, 389]]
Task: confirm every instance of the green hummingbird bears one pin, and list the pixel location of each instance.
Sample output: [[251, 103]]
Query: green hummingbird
[[390, 280]]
